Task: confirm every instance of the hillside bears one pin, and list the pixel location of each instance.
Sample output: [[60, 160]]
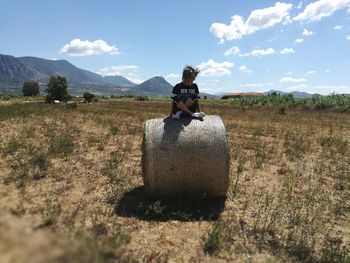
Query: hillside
[[17, 70], [14, 71]]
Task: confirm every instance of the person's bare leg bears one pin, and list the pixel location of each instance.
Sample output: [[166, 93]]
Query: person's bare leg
[[180, 105], [189, 102], [171, 112]]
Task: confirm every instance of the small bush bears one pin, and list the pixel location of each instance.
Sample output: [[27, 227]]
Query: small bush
[[141, 98], [89, 97], [30, 88], [212, 240], [61, 145], [282, 108], [51, 212]]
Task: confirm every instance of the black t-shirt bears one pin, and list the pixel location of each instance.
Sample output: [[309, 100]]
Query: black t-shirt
[[181, 88]]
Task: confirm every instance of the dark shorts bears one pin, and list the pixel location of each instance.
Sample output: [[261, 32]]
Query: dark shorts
[[184, 97]]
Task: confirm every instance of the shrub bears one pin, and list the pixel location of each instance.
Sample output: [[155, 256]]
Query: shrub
[[141, 98], [212, 239], [30, 88], [282, 108], [89, 97]]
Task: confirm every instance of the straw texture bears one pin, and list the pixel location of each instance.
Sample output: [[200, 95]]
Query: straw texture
[[185, 157]]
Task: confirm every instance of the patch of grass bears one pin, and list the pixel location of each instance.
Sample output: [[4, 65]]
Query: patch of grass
[[11, 147], [307, 220], [113, 129], [295, 145], [51, 211], [39, 163], [113, 195], [155, 209], [240, 169], [334, 251], [282, 109], [211, 242], [334, 144], [289, 183], [61, 145]]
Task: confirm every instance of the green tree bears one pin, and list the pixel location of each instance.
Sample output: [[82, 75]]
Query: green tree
[[30, 88], [57, 89]]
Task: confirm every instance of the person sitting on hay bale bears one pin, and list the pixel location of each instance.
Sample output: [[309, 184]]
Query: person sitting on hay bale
[[185, 96]]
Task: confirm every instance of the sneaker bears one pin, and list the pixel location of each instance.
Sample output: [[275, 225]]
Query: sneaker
[[177, 115], [198, 114]]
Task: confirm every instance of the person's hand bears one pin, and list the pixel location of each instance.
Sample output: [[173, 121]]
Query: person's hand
[[167, 117]]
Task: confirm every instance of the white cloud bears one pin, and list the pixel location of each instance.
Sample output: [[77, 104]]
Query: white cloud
[[348, 38], [135, 80], [244, 69], [127, 71], [287, 51], [300, 5], [288, 73], [118, 70], [323, 89], [299, 40], [287, 21], [272, 39], [293, 80], [310, 72], [328, 89], [212, 68], [307, 33], [253, 53], [233, 51], [322, 8], [172, 76], [258, 20], [79, 47], [256, 85], [338, 27], [258, 52], [299, 87]]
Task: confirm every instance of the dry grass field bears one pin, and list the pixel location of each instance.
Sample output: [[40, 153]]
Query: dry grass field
[[71, 188]]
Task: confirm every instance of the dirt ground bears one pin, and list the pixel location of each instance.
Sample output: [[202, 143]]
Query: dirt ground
[[71, 187]]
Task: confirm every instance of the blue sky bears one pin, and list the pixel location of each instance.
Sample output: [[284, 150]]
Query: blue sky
[[238, 45]]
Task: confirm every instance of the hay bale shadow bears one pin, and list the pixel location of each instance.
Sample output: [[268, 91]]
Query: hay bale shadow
[[136, 203]]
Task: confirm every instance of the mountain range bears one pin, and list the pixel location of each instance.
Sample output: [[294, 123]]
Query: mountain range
[[296, 94], [16, 70]]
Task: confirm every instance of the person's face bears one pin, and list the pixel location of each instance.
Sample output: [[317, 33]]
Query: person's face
[[192, 77]]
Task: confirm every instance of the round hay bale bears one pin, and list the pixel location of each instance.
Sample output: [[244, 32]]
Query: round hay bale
[[71, 104], [185, 157]]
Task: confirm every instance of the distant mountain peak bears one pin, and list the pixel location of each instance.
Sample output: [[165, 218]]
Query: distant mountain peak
[[17, 70], [154, 86]]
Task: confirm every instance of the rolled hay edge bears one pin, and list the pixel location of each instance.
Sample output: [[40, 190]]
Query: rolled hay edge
[[185, 157]]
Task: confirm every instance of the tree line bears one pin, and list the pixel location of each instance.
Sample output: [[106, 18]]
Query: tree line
[[57, 89]]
